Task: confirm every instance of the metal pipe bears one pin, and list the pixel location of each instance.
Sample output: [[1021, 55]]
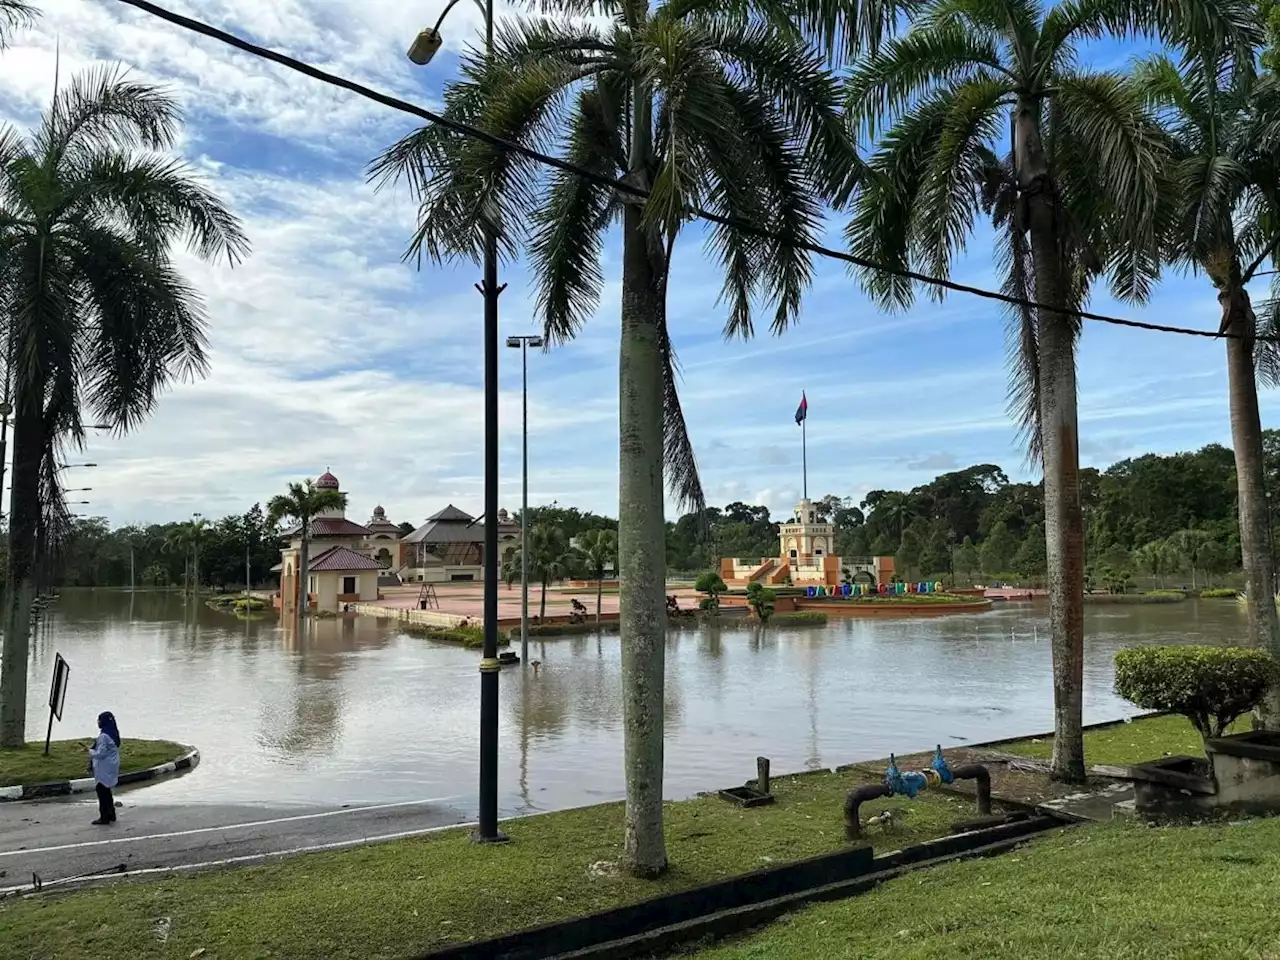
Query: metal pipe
[[524, 502], [982, 777], [853, 803]]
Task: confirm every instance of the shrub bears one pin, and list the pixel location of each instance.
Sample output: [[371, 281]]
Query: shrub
[[1210, 686], [712, 585], [802, 618], [1220, 593], [761, 599]]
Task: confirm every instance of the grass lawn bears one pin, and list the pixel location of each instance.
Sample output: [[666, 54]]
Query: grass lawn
[[68, 760], [402, 898], [1110, 892], [1125, 744]]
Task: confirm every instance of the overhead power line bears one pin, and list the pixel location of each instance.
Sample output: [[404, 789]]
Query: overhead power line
[[395, 103]]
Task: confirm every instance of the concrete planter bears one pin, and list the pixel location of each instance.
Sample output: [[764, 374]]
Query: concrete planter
[[1175, 788], [1247, 769]]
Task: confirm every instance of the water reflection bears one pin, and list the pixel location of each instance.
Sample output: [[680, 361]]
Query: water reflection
[[344, 711]]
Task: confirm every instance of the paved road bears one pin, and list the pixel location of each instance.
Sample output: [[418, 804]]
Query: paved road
[[54, 839]]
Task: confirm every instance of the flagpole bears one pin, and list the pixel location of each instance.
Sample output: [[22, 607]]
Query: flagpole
[[804, 454]]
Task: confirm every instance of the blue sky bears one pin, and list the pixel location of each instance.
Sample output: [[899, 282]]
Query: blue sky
[[329, 352]]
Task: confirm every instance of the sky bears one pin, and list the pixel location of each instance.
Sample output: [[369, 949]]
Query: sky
[[328, 351]]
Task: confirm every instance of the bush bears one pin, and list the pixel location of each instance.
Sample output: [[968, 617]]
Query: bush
[[801, 618], [1220, 593], [712, 585], [1210, 686], [466, 636]]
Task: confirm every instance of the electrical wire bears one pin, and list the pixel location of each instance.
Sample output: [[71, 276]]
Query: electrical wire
[[403, 106]]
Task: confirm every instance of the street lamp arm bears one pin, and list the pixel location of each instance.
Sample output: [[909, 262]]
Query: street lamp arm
[[449, 6]]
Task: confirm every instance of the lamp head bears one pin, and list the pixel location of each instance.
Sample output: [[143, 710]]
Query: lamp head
[[424, 46], [513, 342], [535, 342]]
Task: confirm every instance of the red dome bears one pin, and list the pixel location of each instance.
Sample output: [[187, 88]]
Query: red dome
[[327, 481]]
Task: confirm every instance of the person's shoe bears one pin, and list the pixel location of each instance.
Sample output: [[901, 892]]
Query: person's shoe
[[102, 823]]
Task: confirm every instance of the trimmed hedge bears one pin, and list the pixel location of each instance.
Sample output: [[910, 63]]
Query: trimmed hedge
[[472, 637], [800, 618], [1210, 686], [1220, 593]]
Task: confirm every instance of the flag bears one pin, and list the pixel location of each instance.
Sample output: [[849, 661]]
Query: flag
[[802, 411]]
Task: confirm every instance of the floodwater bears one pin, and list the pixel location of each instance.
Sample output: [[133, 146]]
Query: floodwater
[[351, 711]]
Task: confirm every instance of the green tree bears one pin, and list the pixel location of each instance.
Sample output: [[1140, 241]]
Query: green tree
[[301, 503], [599, 549], [1157, 558], [1076, 193], [722, 106], [1221, 119], [550, 559], [1032, 556], [967, 560], [1188, 545], [712, 585], [96, 309], [998, 551], [1215, 560]]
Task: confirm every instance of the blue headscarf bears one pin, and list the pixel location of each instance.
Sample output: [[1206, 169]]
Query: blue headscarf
[[107, 724]]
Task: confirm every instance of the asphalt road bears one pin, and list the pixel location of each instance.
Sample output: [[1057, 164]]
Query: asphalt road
[[54, 841]]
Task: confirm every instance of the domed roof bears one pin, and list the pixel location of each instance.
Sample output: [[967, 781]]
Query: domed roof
[[502, 513], [379, 513], [327, 481]]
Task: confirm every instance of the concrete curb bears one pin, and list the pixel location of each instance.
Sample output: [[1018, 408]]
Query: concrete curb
[[62, 788]]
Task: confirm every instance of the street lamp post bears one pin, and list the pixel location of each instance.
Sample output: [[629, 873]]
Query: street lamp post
[[523, 343], [423, 48]]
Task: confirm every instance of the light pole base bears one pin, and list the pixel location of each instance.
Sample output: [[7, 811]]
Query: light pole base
[[478, 838]]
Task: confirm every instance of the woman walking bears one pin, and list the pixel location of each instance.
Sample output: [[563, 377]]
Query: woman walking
[[104, 758]]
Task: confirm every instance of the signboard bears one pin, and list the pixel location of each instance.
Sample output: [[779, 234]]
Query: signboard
[[57, 695], [58, 692]]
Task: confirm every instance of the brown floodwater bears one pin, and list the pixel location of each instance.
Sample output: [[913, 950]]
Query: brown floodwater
[[354, 711]]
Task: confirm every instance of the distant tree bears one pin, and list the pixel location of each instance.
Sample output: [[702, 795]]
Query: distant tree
[[967, 560], [712, 585], [405, 528], [998, 550], [1032, 557], [599, 550], [1157, 558], [1188, 545], [550, 558], [1215, 559], [301, 503]]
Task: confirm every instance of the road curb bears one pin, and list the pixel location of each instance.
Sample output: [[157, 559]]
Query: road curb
[[62, 788]]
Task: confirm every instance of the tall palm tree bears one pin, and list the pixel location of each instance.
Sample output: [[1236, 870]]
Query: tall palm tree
[[1075, 195], [1223, 122], [94, 309], [15, 14], [550, 559], [599, 549], [301, 503], [703, 104]]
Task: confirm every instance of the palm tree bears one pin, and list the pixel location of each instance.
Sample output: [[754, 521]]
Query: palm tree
[[1223, 123], [1075, 196], [302, 502], [599, 549], [15, 14], [96, 312], [550, 559], [716, 105]]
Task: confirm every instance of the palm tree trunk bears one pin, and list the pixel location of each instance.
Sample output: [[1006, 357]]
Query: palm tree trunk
[[1064, 520], [599, 591], [24, 510], [542, 606], [641, 530], [1246, 438], [303, 594]]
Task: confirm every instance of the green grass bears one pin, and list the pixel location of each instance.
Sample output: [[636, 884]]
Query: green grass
[[1154, 596], [404, 898], [800, 618], [1125, 744], [1108, 892], [1220, 593], [471, 637], [68, 760]]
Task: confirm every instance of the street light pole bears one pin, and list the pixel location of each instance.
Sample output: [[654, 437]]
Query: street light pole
[[523, 343], [421, 51]]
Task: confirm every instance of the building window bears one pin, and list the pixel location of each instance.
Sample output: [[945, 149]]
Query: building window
[[311, 584], [349, 585], [793, 554]]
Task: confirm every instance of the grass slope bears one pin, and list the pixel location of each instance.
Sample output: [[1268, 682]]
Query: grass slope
[[1113, 892], [404, 898], [68, 760], [1125, 744]]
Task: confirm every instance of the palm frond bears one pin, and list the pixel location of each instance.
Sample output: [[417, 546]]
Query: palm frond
[[680, 466], [14, 15], [101, 107], [567, 228], [883, 88]]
